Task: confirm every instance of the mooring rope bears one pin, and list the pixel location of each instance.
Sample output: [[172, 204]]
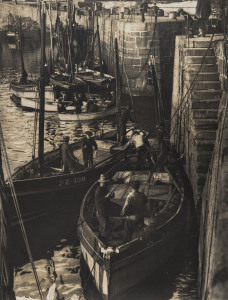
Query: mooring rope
[[17, 208]]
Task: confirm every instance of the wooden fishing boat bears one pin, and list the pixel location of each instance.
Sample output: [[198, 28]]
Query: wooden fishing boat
[[95, 81], [117, 267], [34, 103], [84, 116], [29, 90], [36, 193]]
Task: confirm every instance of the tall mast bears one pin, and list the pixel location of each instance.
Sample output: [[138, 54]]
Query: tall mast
[[117, 89], [99, 46], [51, 36], [42, 90]]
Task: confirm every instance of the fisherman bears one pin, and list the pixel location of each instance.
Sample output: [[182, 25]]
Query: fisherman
[[135, 209], [124, 117], [140, 140], [77, 103], [93, 107], [69, 161], [102, 203], [62, 101], [112, 102], [88, 144]]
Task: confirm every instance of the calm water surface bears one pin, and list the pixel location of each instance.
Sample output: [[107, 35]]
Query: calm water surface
[[53, 238]]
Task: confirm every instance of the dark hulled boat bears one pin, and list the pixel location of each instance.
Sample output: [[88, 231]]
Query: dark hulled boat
[[117, 267]]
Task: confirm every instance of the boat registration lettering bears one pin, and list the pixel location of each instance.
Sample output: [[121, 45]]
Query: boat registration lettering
[[70, 181]]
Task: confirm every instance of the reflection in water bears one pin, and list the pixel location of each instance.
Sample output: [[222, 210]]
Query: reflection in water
[[54, 235]]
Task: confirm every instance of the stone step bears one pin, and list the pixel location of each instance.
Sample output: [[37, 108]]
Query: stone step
[[206, 76], [204, 145], [202, 156], [206, 104], [204, 85], [205, 114], [199, 59], [206, 94], [198, 52], [205, 124], [199, 44], [205, 134], [204, 68]]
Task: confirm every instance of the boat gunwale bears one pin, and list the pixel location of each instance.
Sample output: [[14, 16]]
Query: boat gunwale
[[135, 240], [52, 153]]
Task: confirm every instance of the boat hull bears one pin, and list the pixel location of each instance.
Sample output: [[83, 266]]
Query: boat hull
[[33, 103], [86, 116], [30, 91], [35, 193], [117, 270]]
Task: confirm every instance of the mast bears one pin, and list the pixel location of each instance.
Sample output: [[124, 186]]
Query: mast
[[99, 46], [24, 74], [51, 38], [42, 90], [117, 90]]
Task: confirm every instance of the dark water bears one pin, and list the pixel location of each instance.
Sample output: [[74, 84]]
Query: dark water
[[53, 237]]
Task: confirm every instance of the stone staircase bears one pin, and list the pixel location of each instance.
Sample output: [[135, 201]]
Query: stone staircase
[[202, 115]]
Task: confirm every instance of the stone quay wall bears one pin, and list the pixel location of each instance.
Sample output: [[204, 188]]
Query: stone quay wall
[[213, 256], [137, 42], [200, 131]]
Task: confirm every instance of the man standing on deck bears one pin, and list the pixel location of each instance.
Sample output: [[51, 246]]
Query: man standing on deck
[[142, 146], [88, 144], [135, 208], [102, 203], [69, 161]]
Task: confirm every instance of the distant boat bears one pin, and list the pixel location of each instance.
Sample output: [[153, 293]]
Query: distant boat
[[116, 266], [34, 103], [84, 116], [30, 90]]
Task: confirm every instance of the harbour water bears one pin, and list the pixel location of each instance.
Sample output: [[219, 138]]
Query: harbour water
[[53, 237]]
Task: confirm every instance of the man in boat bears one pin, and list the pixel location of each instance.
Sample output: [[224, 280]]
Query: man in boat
[[93, 107], [135, 209], [139, 139], [88, 144], [102, 203], [123, 119], [69, 161], [63, 102], [78, 103], [112, 102]]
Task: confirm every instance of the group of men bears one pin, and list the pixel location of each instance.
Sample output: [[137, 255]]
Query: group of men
[[79, 101], [133, 212], [70, 162], [135, 204]]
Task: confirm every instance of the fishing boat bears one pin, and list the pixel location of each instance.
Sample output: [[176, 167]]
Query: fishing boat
[[26, 88], [113, 261], [85, 116], [41, 183], [34, 103]]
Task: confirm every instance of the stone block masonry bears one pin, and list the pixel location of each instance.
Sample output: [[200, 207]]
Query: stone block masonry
[[136, 43]]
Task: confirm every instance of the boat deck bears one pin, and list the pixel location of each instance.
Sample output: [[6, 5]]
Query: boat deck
[[158, 191]]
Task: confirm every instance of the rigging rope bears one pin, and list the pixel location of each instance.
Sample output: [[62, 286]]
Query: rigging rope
[[17, 208]]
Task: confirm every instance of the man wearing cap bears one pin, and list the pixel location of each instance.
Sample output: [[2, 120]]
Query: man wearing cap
[[88, 144], [135, 208], [112, 102], [102, 202], [69, 161]]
